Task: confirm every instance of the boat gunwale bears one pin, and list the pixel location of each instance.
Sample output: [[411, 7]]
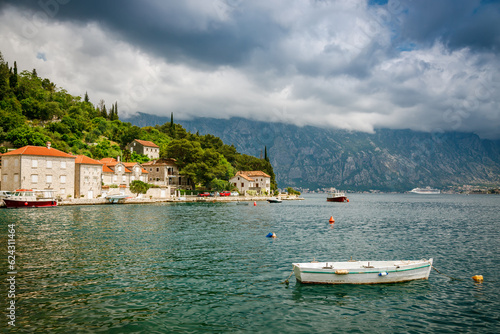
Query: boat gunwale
[[360, 272]]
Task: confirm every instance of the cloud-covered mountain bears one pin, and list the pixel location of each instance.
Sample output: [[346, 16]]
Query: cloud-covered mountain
[[388, 160]]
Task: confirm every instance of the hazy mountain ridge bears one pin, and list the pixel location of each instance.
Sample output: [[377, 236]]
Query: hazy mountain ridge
[[388, 160]]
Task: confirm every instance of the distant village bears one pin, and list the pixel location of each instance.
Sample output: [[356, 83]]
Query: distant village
[[80, 177]]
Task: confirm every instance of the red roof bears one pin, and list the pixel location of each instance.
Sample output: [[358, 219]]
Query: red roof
[[39, 150], [106, 169], [249, 175], [146, 143], [82, 159], [107, 160]]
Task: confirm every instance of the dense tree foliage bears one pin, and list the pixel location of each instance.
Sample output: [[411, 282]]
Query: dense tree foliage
[[34, 110], [139, 187]]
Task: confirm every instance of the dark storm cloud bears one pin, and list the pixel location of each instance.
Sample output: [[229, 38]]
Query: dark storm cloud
[[357, 64], [458, 24], [173, 29]]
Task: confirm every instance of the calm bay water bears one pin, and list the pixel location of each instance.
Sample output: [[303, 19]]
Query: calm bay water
[[208, 267]]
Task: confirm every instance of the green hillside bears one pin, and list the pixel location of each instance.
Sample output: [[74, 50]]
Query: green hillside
[[34, 110]]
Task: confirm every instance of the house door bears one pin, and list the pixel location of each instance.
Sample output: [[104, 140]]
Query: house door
[[90, 194], [163, 193]]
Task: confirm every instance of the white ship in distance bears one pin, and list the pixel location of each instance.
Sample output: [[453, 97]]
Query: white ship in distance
[[425, 191]]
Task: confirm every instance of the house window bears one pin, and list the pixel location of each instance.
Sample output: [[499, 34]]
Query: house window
[[242, 185], [34, 163], [16, 163], [5, 164], [49, 178], [86, 179], [16, 177], [132, 178], [34, 178], [63, 164], [123, 178], [115, 178], [49, 163], [63, 191], [63, 179], [5, 178], [157, 169], [119, 169]]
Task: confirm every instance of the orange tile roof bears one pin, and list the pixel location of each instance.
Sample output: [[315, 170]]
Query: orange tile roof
[[108, 160], [146, 143], [249, 175], [39, 150], [106, 169], [82, 159]]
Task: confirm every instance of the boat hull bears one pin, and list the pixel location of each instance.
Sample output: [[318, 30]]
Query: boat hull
[[362, 272], [336, 199], [12, 203]]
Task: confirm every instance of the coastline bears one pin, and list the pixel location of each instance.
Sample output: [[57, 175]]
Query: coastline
[[184, 199]]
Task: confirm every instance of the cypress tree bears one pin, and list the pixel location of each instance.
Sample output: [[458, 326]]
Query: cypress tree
[[104, 112], [13, 77], [86, 98]]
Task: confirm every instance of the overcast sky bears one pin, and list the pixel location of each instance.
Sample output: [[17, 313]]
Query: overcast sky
[[429, 65]]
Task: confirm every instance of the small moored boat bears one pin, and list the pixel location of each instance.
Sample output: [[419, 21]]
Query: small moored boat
[[115, 199], [362, 272], [29, 198], [274, 200]]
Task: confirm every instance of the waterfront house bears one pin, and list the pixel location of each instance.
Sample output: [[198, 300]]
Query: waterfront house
[[88, 177], [38, 167], [165, 172], [148, 148], [120, 174], [257, 181]]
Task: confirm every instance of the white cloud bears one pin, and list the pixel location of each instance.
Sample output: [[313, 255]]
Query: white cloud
[[333, 65]]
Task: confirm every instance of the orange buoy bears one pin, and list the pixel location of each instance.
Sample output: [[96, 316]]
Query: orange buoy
[[254, 203], [348, 200], [332, 220], [477, 278]]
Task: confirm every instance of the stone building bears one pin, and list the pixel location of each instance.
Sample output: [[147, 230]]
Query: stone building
[[41, 168], [257, 181], [88, 177], [164, 172], [145, 147]]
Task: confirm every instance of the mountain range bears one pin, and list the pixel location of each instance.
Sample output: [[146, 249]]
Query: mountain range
[[388, 160]]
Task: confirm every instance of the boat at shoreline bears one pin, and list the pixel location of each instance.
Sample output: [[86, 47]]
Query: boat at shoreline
[[425, 191], [274, 200], [29, 198], [336, 196], [362, 272], [116, 199]]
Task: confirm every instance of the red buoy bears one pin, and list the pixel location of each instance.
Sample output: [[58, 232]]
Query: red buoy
[[254, 203], [332, 220], [348, 200]]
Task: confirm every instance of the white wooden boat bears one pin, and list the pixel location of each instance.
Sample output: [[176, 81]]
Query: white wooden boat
[[115, 199], [362, 272]]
